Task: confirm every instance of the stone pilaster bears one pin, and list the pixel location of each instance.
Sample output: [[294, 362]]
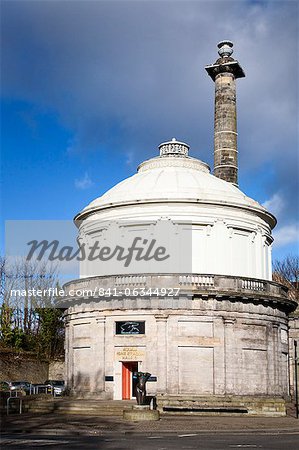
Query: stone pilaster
[[293, 336], [70, 372], [99, 354], [219, 357], [273, 361], [230, 354], [161, 321], [67, 354]]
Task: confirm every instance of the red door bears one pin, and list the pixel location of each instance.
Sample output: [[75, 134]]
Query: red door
[[127, 383]]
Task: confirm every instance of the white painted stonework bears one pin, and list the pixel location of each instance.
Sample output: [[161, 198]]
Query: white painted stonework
[[231, 233]]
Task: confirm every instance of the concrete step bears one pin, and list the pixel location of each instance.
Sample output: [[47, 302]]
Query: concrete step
[[221, 405], [81, 407]]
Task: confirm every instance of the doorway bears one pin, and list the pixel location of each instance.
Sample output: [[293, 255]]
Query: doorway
[[128, 381]]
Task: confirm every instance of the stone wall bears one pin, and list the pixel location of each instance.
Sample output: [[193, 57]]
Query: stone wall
[[15, 366], [56, 370], [234, 348]]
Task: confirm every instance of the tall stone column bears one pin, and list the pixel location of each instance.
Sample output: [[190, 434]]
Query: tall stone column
[[224, 73], [161, 321]]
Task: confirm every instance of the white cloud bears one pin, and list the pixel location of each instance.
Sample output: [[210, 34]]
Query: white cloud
[[275, 204], [287, 234], [84, 183]]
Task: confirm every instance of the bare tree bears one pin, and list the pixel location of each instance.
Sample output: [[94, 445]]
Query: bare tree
[[29, 319], [286, 272]]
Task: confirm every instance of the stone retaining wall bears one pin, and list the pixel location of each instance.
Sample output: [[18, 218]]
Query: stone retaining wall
[[16, 366]]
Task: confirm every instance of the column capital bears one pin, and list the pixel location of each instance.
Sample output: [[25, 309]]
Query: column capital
[[225, 67], [161, 317], [225, 64], [101, 319], [229, 320]]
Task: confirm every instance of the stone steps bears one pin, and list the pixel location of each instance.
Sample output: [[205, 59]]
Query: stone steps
[[80, 407], [221, 405], [167, 404]]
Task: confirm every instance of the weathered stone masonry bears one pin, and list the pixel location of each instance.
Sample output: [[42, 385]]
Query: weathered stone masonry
[[223, 340], [224, 73]]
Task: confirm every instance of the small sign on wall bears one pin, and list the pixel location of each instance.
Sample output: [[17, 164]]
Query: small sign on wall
[[130, 354], [130, 327]]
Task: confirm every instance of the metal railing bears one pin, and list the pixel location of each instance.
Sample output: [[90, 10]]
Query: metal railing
[[44, 389], [15, 397]]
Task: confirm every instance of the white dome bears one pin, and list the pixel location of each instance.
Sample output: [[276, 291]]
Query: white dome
[[172, 178], [230, 233]]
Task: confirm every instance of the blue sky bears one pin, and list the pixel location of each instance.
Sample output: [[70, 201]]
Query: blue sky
[[90, 89]]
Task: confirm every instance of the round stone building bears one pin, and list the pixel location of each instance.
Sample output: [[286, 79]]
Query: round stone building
[[211, 327]]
